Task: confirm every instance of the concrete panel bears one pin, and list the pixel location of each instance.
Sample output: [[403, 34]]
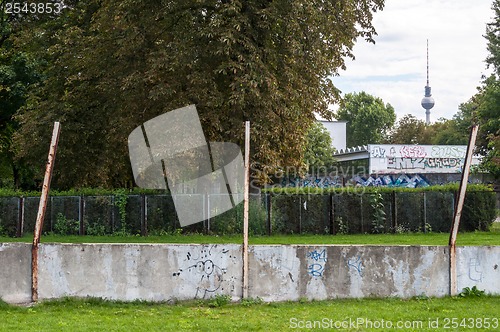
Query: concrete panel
[[15, 272], [480, 267], [153, 272], [162, 272], [321, 272]]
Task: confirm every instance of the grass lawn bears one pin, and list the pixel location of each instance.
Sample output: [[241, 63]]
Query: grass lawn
[[491, 238], [418, 314]]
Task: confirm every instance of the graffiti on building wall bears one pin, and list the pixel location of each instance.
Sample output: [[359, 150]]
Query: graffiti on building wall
[[312, 181], [416, 158], [404, 163], [404, 180]]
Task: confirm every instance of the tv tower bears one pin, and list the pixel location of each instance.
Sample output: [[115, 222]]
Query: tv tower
[[427, 101]]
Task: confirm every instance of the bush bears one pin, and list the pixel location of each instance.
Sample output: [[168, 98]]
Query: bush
[[479, 211]]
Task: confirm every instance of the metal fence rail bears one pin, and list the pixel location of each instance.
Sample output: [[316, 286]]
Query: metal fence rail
[[269, 213]]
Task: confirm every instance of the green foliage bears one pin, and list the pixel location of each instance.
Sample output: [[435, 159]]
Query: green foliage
[[369, 119], [231, 222], [343, 226], [410, 130], [471, 292], [379, 215], [479, 211], [219, 300], [64, 226], [96, 228], [111, 66], [369, 190], [483, 107], [251, 301], [318, 152]]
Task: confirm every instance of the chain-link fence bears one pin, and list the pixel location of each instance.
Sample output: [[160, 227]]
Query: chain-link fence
[[269, 214]]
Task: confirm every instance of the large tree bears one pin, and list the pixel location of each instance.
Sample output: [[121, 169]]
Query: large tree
[[318, 154], [369, 119], [114, 64], [410, 130], [484, 107]]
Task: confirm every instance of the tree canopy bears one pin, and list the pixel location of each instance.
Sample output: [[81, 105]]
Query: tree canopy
[[112, 65], [318, 155], [410, 130], [484, 107], [369, 119]]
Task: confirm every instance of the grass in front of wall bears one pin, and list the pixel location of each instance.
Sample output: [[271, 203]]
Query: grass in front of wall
[[417, 314], [491, 238]]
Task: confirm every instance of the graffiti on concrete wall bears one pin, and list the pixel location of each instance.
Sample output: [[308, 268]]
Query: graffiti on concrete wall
[[475, 271], [204, 270], [404, 180], [417, 158], [316, 261], [356, 264]]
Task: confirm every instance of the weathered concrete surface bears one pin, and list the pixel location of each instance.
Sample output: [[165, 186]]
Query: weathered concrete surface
[[152, 272], [480, 267], [162, 272], [280, 273], [15, 272]]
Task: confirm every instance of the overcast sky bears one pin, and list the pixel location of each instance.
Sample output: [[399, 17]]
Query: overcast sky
[[394, 69]]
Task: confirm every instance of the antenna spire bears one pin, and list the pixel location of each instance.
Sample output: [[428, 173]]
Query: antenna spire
[[427, 62], [427, 102]]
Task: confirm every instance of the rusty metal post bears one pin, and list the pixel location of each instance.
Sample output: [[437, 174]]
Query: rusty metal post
[[245, 209], [41, 210], [458, 210]]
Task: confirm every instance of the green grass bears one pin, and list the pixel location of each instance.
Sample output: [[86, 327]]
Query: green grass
[[491, 238], [99, 315]]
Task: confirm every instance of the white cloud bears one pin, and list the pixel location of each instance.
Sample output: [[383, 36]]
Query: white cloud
[[394, 69]]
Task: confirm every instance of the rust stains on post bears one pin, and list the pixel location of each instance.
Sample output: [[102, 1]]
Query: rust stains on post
[[458, 209], [41, 210]]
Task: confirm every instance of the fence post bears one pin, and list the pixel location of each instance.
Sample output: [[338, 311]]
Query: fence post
[[81, 213], [113, 207], [208, 214], [425, 212], [394, 212], [20, 221], [269, 214], [361, 212], [332, 216], [144, 226], [300, 214]]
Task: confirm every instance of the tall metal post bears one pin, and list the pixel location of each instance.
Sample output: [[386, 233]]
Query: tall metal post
[[41, 210], [245, 209], [458, 210]]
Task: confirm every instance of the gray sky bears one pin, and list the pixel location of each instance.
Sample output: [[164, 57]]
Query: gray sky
[[394, 69]]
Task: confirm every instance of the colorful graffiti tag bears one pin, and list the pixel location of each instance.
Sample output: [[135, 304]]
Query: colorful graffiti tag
[[404, 180], [313, 182], [390, 159]]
